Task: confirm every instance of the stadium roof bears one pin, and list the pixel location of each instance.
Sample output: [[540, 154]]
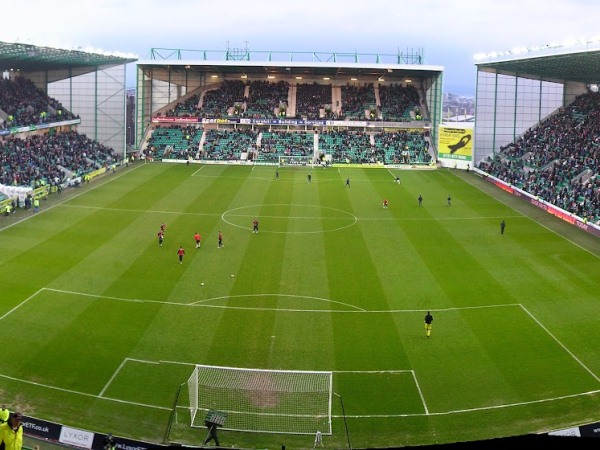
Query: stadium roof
[[557, 66], [294, 64], [31, 58]]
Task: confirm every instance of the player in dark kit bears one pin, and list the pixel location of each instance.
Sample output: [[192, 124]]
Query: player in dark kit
[[161, 238], [220, 240], [180, 253], [502, 227], [212, 433], [420, 200], [428, 320], [255, 226]]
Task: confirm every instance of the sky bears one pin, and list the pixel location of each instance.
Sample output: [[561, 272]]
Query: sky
[[448, 33]]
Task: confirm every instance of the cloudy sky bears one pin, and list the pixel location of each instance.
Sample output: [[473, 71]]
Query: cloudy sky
[[447, 32]]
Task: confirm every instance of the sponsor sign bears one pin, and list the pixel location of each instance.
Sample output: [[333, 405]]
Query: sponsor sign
[[78, 438], [566, 432], [455, 143], [41, 428]]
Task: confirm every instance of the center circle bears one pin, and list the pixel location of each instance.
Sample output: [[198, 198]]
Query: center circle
[[290, 218]]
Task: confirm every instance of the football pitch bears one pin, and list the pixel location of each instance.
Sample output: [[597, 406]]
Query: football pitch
[[102, 327]]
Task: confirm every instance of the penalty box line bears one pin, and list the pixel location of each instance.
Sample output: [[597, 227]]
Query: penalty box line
[[558, 342], [83, 394]]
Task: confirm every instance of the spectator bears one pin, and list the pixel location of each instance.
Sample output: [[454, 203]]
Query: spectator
[[4, 414], [11, 432]]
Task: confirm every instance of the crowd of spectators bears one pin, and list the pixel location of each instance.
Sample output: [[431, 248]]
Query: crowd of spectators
[[403, 147], [397, 101], [50, 159], [186, 108], [227, 145], [311, 98], [345, 146], [557, 160], [349, 147], [174, 142], [24, 104], [265, 98], [260, 99], [286, 143], [218, 102], [357, 100]]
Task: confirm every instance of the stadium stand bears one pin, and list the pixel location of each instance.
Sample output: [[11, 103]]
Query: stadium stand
[[311, 98], [358, 102], [22, 103], [50, 159], [227, 145], [267, 100], [397, 102], [557, 160]]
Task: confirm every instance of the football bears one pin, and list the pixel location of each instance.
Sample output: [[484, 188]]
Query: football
[[232, 275], [201, 284]]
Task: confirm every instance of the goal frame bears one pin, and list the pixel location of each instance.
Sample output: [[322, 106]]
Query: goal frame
[[262, 400]]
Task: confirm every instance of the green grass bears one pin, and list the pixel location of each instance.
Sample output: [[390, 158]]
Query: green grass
[[101, 326]]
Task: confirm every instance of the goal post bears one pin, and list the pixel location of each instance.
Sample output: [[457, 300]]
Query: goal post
[[296, 161], [260, 400]]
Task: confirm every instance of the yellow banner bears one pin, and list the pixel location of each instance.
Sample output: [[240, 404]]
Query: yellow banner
[[455, 143], [40, 192]]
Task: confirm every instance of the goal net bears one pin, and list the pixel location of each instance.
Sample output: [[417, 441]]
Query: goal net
[[258, 400], [296, 161]]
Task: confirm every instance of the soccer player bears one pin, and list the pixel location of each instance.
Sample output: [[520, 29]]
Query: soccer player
[[198, 239], [502, 227], [161, 237], [162, 227], [420, 200], [180, 253], [449, 200], [255, 226], [385, 203], [277, 174], [309, 178], [428, 320], [348, 182], [220, 240]]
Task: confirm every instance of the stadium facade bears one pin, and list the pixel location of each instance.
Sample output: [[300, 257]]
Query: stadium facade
[[174, 75], [91, 85], [517, 89]]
